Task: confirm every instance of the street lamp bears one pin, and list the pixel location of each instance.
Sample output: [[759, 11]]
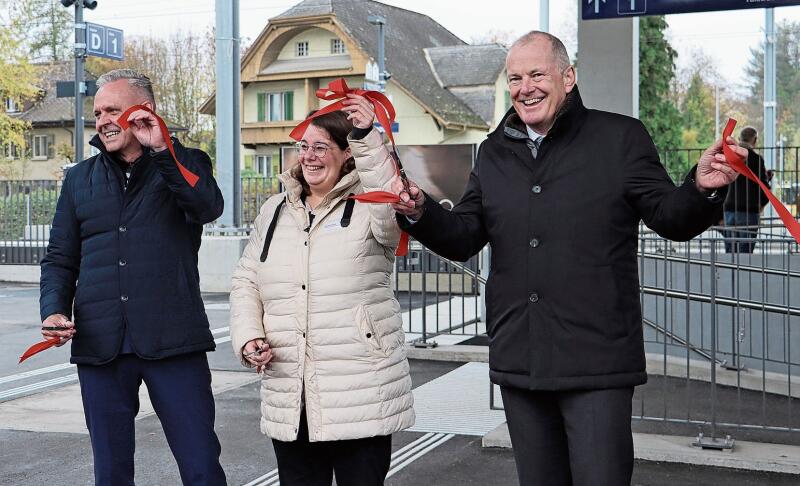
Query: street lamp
[[90, 4], [380, 21]]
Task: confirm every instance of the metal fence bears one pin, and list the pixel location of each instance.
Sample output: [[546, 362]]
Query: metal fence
[[440, 297], [721, 336], [26, 211], [721, 329]]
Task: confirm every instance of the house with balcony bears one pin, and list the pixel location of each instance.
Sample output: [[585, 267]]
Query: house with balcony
[[444, 90]]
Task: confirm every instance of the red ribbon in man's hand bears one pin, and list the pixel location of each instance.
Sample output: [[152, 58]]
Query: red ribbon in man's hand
[[384, 112], [38, 348], [738, 163], [123, 122]]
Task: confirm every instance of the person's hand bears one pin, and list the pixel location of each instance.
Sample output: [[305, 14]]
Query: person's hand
[[65, 328], [258, 353], [713, 171], [359, 110], [145, 128], [411, 200]]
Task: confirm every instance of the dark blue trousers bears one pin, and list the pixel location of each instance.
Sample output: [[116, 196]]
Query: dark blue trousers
[[180, 391]]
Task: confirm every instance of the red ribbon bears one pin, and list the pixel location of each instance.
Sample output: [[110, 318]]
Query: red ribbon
[[384, 112], [123, 122], [38, 348], [338, 90], [738, 163]]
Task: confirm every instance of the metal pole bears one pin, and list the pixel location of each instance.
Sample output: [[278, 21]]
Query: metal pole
[[770, 101], [713, 442], [228, 110], [80, 85], [381, 62], [716, 111], [544, 15]]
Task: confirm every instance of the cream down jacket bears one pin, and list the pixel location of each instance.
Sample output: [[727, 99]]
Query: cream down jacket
[[322, 301]]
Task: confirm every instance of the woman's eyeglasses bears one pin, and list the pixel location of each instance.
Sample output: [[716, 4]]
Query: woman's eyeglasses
[[319, 150]]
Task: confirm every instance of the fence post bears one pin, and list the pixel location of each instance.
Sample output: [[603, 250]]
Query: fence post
[[423, 267], [713, 442]]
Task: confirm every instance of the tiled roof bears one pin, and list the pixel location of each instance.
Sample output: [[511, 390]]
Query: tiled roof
[[467, 65], [407, 35]]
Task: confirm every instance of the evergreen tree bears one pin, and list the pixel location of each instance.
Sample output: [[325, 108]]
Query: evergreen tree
[[656, 73], [697, 111]]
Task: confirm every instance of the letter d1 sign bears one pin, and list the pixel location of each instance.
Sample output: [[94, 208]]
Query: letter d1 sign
[[102, 41]]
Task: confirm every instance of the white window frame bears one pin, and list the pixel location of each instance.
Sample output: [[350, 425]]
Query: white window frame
[[39, 143], [301, 49], [11, 105], [12, 151], [263, 165], [338, 47], [274, 107]]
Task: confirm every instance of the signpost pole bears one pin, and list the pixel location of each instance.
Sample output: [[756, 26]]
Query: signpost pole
[[80, 53]]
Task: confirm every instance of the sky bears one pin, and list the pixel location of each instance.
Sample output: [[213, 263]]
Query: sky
[[725, 37]]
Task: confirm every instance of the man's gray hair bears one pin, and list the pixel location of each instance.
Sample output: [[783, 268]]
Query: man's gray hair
[[556, 46], [134, 78]]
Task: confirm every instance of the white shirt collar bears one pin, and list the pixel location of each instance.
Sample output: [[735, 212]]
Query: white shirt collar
[[532, 134]]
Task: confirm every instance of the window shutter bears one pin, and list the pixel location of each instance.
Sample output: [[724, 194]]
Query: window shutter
[[262, 105], [288, 105], [28, 149], [248, 162], [51, 146]]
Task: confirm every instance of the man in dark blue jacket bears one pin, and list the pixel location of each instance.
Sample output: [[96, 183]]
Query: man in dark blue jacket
[[122, 260], [558, 191]]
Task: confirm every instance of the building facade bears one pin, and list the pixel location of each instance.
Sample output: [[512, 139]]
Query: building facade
[[444, 90]]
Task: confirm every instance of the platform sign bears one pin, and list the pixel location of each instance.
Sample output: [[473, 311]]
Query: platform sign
[[102, 41], [612, 9]]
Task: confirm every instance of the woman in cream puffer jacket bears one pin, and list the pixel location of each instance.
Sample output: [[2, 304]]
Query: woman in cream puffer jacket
[[313, 309]]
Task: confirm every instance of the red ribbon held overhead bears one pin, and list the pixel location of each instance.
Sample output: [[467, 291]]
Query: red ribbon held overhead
[[123, 122], [384, 112], [38, 348], [738, 163]]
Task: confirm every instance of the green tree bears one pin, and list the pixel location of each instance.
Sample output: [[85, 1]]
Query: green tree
[[18, 84], [48, 29], [698, 113], [657, 109]]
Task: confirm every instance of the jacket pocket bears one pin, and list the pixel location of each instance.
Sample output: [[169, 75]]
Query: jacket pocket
[[367, 332]]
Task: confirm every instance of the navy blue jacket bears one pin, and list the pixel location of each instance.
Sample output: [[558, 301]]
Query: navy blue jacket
[[562, 297], [127, 257]]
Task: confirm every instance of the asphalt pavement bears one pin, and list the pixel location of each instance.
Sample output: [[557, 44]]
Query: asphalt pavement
[[41, 391]]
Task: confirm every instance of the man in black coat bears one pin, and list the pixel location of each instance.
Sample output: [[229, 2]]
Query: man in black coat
[[558, 191], [742, 207], [122, 259]]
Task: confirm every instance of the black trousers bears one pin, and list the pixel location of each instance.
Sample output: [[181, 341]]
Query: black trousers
[[571, 438], [356, 462], [180, 391]]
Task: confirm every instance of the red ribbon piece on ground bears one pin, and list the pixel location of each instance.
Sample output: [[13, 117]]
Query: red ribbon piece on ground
[[123, 122], [384, 112], [38, 348], [738, 163]]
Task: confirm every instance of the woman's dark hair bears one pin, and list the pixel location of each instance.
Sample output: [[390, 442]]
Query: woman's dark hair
[[337, 126]]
